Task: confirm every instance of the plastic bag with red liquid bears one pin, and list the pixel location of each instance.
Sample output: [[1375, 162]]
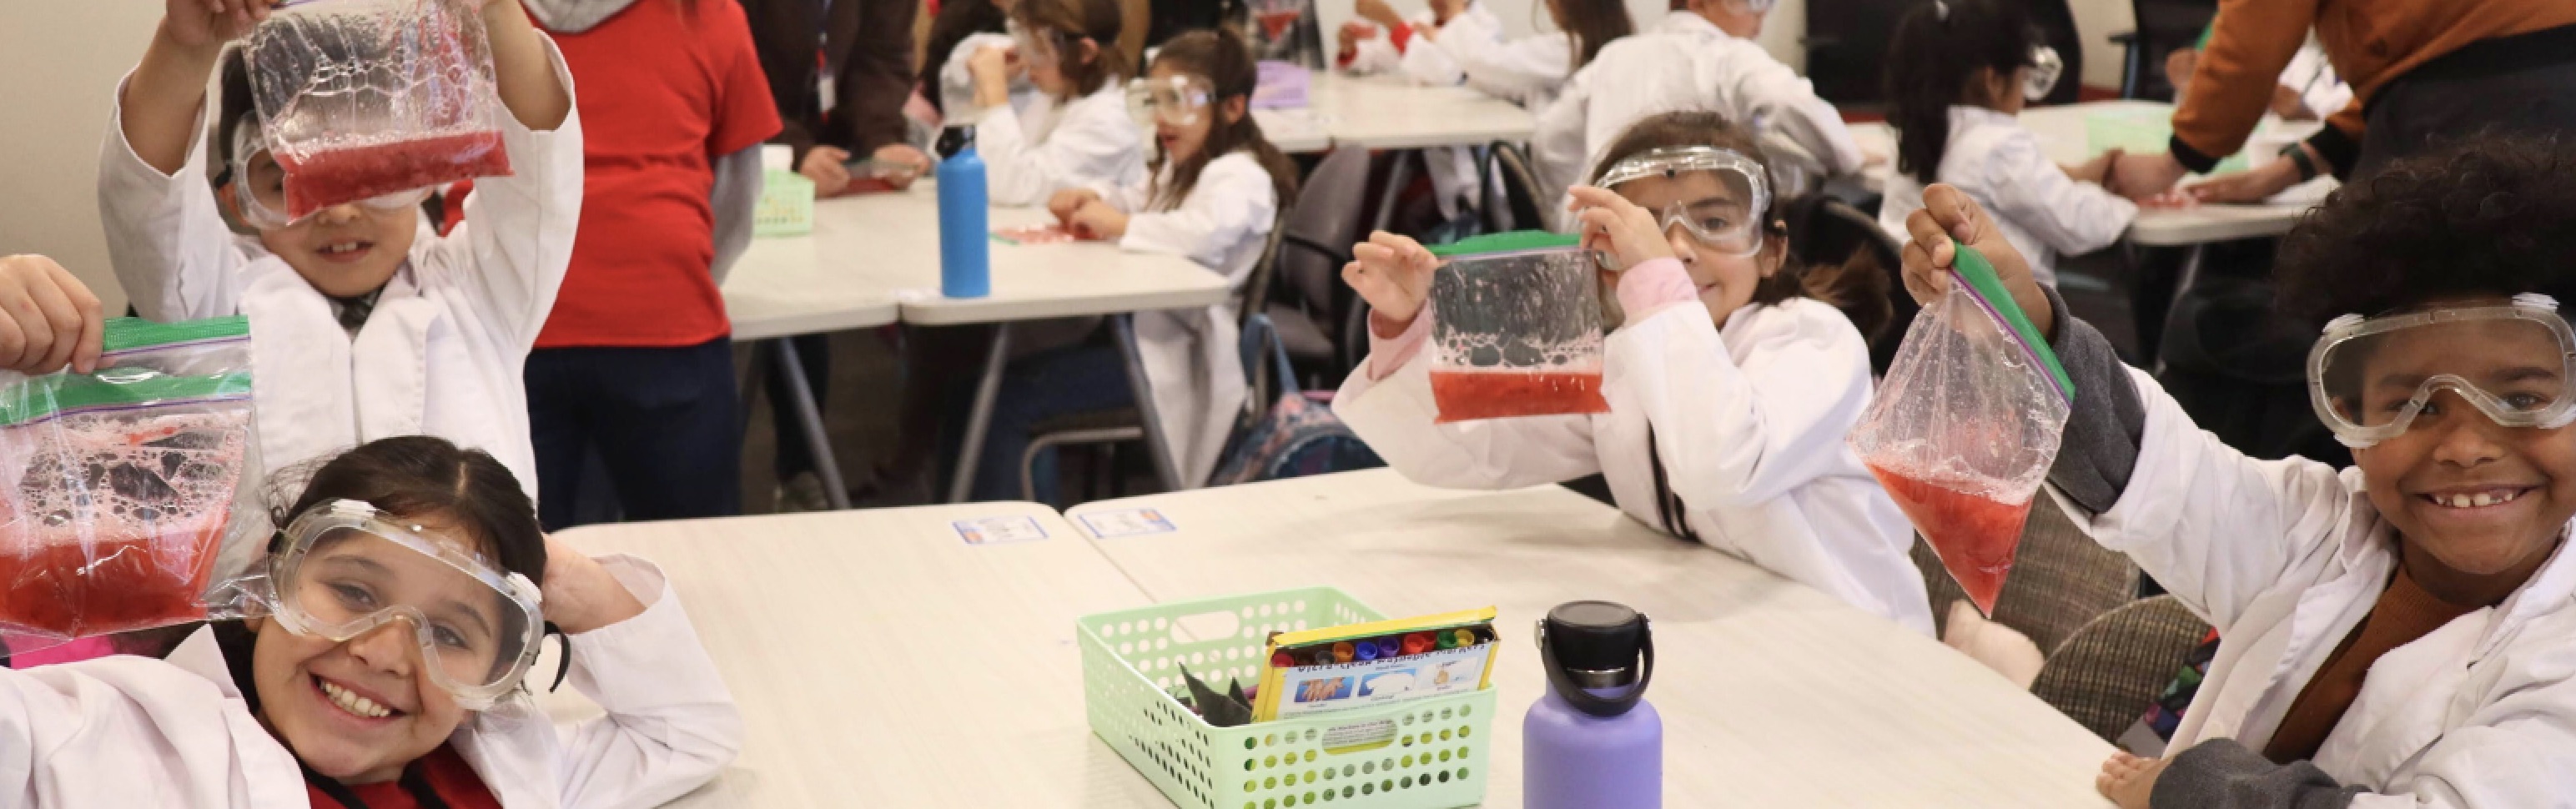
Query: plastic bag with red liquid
[[361, 98], [1965, 426], [1516, 328], [121, 504]]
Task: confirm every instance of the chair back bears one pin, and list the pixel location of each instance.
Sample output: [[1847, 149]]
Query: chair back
[[1519, 207], [1826, 230], [2107, 673], [2060, 579]]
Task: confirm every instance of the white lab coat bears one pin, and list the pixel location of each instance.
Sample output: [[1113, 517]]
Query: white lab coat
[[1192, 357], [957, 84], [2000, 164], [2323, 93], [133, 731], [1685, 63], [1749, 421], [1527, 71], [2285, 558], [443, 352], [1079, 143], [1427, 62]]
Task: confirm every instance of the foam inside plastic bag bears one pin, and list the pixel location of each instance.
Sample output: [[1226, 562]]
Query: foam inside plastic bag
[[360, 98], [1516, 328], [121, 497], [1965, 426]]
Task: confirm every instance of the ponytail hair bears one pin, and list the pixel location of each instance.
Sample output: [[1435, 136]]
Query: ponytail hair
[[1220, 56], [1932, 61], [1857, 286]]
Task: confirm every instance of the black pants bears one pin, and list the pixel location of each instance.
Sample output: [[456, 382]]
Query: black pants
[[814, 354], [662, 420], [2521, 83]]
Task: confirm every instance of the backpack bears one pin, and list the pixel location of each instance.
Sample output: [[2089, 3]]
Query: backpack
[[1298, 435]]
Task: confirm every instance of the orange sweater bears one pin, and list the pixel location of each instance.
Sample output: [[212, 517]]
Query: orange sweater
[[2370, 42]]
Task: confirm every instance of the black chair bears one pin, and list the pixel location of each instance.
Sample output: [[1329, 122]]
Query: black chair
[[1825, 230], [1308, 302], [2163, 27]]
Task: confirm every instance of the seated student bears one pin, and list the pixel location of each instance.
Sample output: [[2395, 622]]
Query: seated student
[[1079, 134], [364, 322], [1957, 73], [962, 29], [2398, 633], [1217, 186], [403, 591], [1700, 57], [1731, 384]]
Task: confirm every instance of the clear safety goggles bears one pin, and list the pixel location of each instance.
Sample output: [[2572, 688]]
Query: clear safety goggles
[[1037, 45], [348, 569], [1175, 100], [257, 184], [2044, 68], [1757, 6], [2369, 378], [1720, 195]]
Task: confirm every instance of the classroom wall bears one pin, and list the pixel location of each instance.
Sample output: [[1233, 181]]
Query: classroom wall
[[59, 64]]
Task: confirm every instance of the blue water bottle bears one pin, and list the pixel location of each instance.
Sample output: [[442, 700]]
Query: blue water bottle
[[965, 260], [1592, 742]]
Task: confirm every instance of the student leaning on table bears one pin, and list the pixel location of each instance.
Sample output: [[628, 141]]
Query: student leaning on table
[[1731, 385], [364, 323], [2403, 632], [386, 670], [1466, 45], [1079, 134]]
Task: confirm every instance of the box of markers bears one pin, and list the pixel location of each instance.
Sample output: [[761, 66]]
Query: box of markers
[[1368, 750]]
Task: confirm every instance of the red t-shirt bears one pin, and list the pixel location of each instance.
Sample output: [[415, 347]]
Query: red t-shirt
[[448, 774], [665, 87]]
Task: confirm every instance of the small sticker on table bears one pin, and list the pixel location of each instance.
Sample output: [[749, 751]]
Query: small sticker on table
[[1127, 522], [999, 530]]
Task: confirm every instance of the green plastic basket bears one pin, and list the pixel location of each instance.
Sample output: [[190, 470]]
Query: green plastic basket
[[1433, 753], [786, 205]]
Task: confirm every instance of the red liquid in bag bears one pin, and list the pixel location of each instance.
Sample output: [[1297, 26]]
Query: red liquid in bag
[[117, 520], [328, 177], [1472, 395], [1275, 23], [1974, 535]]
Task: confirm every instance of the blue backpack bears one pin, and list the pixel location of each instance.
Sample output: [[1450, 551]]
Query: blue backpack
[[1298, 435]]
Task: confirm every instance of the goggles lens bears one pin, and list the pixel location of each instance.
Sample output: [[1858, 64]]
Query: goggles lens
[[259, 184], [1718, 196], [1177, 100], [2372, 379], [2044, 68], [346, 574]]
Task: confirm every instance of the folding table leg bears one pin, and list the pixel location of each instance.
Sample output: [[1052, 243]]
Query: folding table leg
[[810, 419], [1396, 176], [2182, 286], [1156, 443], [979, 420]]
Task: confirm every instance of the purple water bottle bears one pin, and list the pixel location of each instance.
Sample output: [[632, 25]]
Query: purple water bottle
[[1593, 742]]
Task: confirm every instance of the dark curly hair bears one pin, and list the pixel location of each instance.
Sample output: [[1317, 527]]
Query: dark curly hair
[[2492, 215]]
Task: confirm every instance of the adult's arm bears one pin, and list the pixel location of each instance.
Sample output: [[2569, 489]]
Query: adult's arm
[[876, 77], [2250, 43]]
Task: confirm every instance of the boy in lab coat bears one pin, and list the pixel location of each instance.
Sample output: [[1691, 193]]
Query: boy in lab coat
[[364, 323], [2403, 632], [1701, 56]]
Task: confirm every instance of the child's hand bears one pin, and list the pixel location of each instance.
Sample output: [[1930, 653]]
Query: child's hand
[[1067, 201], [1446, 10], [990, 68], [1392, 273], [1949, 214], [903, 154], [208, 24], [1614, 225], [1378, 11], [1097, 220], [47, 318], [579, 593], [2128, 780], [2095, 171]]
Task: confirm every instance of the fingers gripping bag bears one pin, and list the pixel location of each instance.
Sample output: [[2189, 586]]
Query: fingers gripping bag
[[1965, 425], [1516, 328], [121, 504], [362, 98]]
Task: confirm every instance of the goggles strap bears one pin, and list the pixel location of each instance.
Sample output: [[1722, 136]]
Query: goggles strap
[[563, 662]]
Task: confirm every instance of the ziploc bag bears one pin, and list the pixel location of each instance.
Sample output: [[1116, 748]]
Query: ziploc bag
[[121, 504], [1516, 328], [360, 98], [1966, 424]]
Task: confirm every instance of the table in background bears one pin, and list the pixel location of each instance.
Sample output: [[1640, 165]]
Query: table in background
[[1386, 112], [879, 253], [1772, 694], [879, 660]]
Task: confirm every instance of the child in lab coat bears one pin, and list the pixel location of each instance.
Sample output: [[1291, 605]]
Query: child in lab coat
[[1701, 57], [1731, 384], [963, 28], [1217, 188], [1080, 133], [364, 323], [1957, 72], [2399, 633], [384, 672], [1461, 41]]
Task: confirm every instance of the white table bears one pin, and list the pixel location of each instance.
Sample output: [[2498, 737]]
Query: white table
[[1772, 694], [874, 258], [879, 660], [1387, 112]]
